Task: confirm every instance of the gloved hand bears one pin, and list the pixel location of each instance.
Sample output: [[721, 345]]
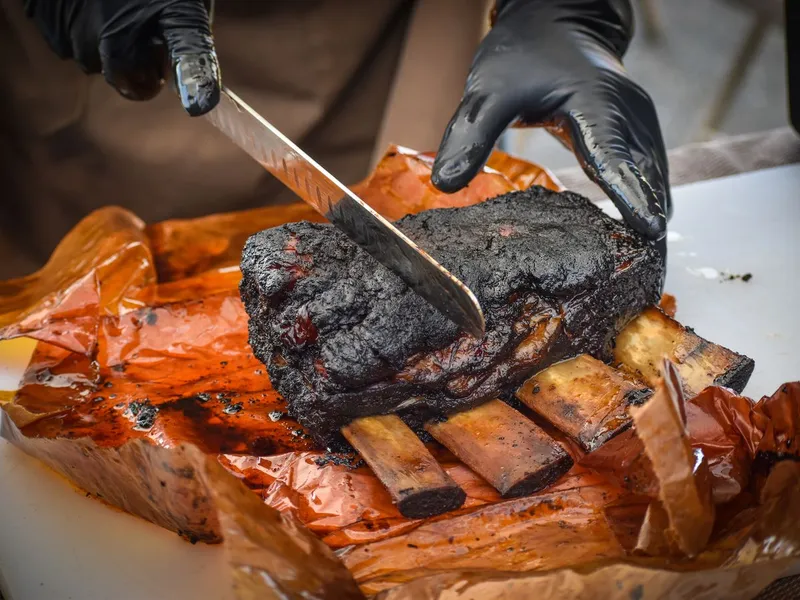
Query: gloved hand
[[558, 63], [129, 41]]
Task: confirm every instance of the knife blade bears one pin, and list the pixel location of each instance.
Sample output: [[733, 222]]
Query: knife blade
[[382, 240]]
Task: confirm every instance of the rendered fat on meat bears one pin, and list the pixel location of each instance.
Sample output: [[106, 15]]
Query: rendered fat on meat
[[343, 337]]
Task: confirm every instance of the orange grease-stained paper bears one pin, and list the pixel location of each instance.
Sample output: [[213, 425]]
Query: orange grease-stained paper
[[684, 511], [143, 365]]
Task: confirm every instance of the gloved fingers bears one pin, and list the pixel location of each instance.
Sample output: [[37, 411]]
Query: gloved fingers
[[46, 14], [652, 165], [661, 248], [647, 145], [133, 66], [184, 25], [600, 141], [469, 138], [84, 48]]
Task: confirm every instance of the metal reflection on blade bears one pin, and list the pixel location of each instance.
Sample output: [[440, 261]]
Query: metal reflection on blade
[[300, 173]]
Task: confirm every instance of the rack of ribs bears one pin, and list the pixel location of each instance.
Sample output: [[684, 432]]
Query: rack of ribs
[[345, 340]]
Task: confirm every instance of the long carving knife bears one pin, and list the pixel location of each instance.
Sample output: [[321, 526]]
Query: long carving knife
[[300, 173]]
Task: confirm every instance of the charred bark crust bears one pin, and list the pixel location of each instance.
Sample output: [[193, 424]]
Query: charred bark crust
[[343, 337]]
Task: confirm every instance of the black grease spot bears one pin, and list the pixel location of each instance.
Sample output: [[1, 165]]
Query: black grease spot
[[349, 460], [263, 446], [144, 413], [44, 375], [232, 409]]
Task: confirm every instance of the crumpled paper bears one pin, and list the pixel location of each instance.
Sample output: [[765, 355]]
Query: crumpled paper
[[681, 519], [770, 545], [144, 355]]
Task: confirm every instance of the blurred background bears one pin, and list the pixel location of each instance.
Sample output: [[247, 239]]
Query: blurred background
[[713, 68]]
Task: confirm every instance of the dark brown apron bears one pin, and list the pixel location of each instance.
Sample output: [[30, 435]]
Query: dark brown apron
[[321, 70]]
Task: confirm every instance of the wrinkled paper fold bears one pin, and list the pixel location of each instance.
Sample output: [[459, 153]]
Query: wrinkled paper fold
[[142, 390]]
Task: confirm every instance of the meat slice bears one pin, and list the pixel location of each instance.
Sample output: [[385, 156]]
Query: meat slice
[[343, 337]]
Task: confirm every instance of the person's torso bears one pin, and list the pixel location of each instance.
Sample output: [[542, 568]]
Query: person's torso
[[73, 144]]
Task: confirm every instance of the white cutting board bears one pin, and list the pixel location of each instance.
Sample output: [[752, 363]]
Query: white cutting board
[[56, 544]]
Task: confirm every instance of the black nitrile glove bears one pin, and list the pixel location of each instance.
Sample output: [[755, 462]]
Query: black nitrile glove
[[128, 41], [558, 63]]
